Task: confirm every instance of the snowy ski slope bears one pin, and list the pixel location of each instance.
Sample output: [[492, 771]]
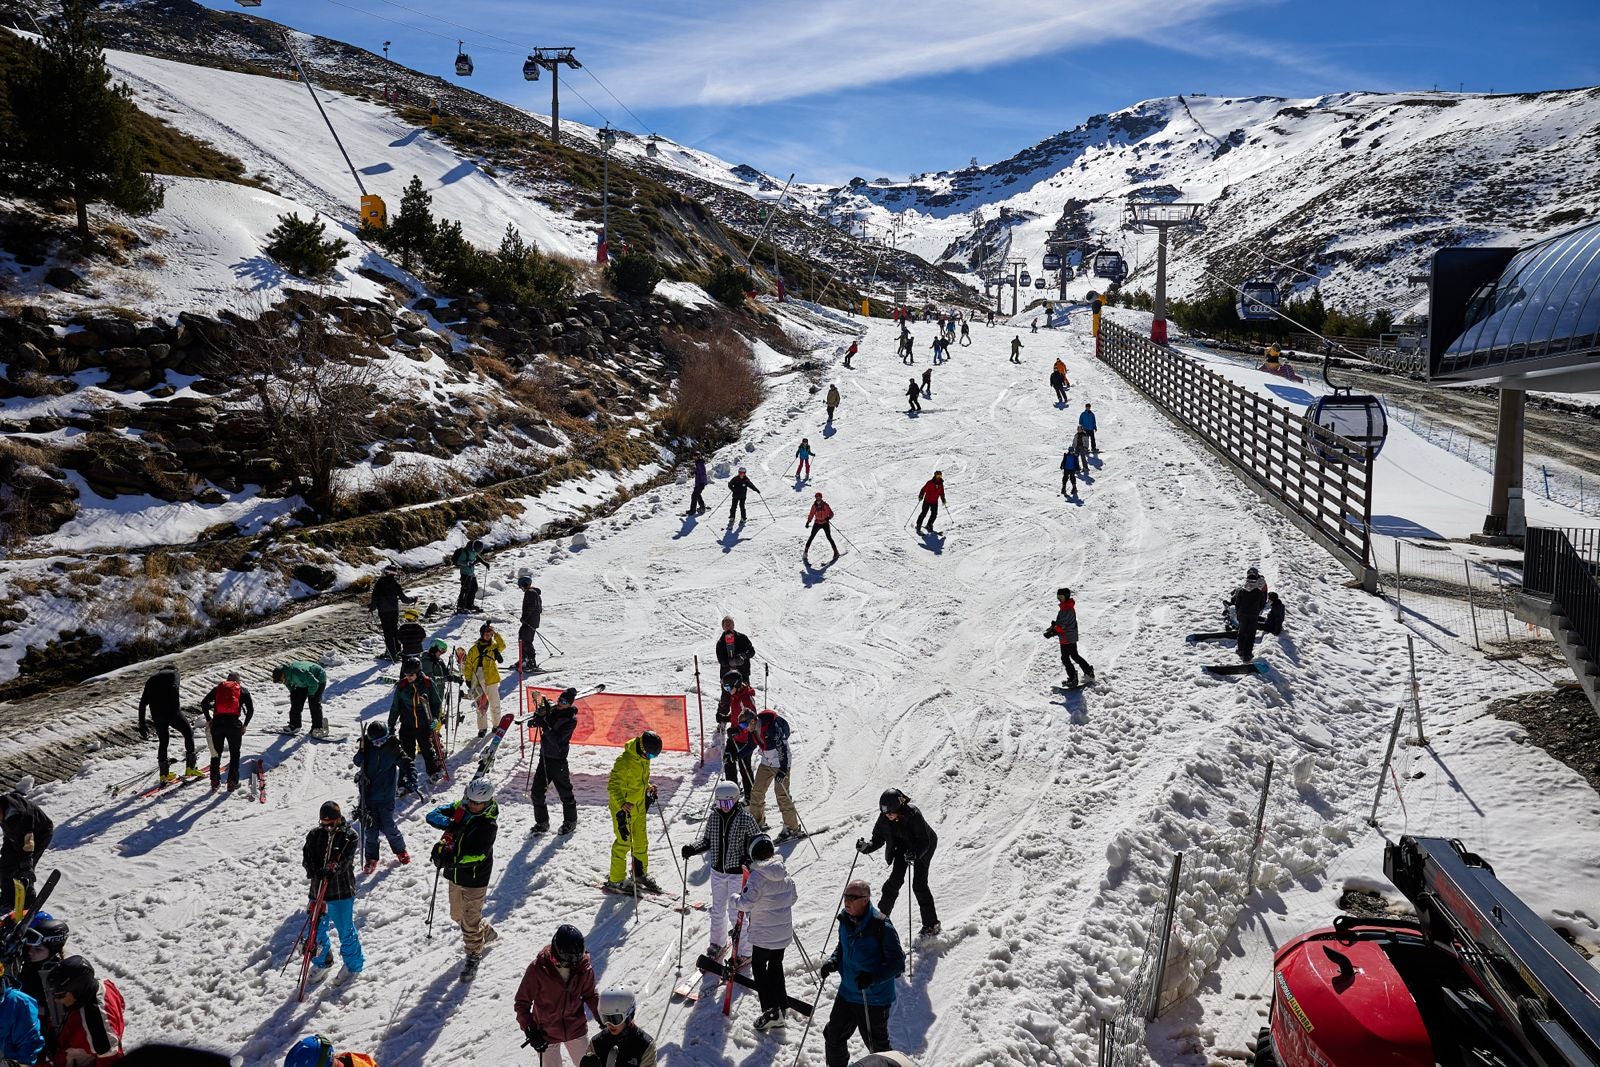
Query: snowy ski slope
[[916, 662]]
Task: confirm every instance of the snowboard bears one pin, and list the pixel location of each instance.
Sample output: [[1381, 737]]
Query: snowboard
[[1255, 666], [1214, 635], [718, 969]]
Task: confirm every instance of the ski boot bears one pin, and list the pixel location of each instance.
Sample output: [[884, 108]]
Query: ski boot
[[646, 883], [930, 930], [716, 952], [567, 827], [403, 857], [369, 868], [771, 1020], [625, 886], [787, 834], [540, 828], [167, 778], [192, 772], [469, 969]]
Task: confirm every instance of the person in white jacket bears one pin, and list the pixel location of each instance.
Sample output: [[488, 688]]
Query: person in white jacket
[[768, 904], [729, 829]]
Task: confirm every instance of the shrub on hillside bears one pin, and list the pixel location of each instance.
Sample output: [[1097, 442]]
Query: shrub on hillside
[[298, 245], [728, 284], [718, 384], [635, 274]]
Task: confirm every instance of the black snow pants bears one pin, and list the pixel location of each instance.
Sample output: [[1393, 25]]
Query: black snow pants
[[226, 731], [843, 1022], [821, 528], [919, 886], [165, 723], [553, 772]]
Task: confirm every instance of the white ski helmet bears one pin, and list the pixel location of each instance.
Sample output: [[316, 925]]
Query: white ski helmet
[[616, 1007], [480, 790], [726, 791]]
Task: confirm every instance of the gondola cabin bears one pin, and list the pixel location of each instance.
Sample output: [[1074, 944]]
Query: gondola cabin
[[1110, 265], [1257, 301], [530, 70], [652, 149], [1026, 279], [1052, 261], [463, 62], [1358, 418], [1039, 282], [248, 3]]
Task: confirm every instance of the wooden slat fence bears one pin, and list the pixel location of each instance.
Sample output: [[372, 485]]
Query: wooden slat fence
[[1281, 451]]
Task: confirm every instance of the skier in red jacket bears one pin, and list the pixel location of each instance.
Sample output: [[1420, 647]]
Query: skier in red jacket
[[91, 1022], [555, 988], [931, 493], [818, 519]]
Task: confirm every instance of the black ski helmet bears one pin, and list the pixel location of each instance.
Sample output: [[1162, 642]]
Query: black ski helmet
[[48, 931], [761, 848], [74, 975], [376, 731], [892, 800], [330, 810], [567, 945], [568, 695], [411, 667], [650, 743]]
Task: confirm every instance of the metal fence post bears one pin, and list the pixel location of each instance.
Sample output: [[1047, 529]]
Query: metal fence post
[[1255, 846], [1394, 735], [1397, 579], [1505, 603], [1416, 689], [1106, 1035], [1156, 979], [1472, 606]]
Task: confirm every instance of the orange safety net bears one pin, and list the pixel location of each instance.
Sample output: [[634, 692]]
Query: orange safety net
[[613, 719]]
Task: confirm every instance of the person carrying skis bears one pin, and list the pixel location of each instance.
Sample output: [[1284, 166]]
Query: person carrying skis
[[697, 499], [467, 559], [868, 958], [378, 779], [27, 832], [850, 353], [629, 793], [223, 708], [21, 1034], [908, 840], [1069, 472], [306, 682], [913, 391], [482, 669], [739, 487], [551, 997], [768, 903], [412, 713], [966, 334], [1058, 382], [1248, 601], [931, 493], [819, 519], [1016, 349], [802, 468], [556, 722], [329, 859], [740, 748], [726, 838], [436, 669], [1065, 627], [772, 741], [832, 401], [620, 1042], [734, 653], [465, 857], [92, 1016], [387, 597], [927, 383], [528, 631], [1087, 423], [164, 705]]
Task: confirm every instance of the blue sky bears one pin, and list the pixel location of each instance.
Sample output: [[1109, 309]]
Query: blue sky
[[838, 88]]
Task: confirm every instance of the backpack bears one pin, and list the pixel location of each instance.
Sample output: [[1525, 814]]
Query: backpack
[[228, 698], [354, 1059]]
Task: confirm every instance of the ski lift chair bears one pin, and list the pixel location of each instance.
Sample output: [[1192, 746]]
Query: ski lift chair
[[1257, 300], [1039, 283], [248, 3], [463, 62], [1359, 418]]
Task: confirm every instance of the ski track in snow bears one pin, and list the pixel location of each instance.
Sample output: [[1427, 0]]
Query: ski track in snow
[[916, 662]]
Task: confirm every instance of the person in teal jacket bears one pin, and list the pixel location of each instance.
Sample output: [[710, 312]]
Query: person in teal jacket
[[467, 559], [307, 681], [868, 958], [802, 470], [21, 1038]]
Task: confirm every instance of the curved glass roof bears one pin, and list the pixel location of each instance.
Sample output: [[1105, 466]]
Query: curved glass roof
[[1545, 306]]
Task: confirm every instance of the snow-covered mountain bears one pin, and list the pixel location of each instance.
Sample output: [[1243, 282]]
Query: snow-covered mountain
[[1353, 189]]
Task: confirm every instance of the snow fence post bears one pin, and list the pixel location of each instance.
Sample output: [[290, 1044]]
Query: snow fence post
[[1397, 612], [1255, 845], [1466, 565], [1154, 1008], [1106, 1037], [700, 705], [1394, 734], [1416, 688]]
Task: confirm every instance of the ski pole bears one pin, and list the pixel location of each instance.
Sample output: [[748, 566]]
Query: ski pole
[[821, 955], [803, 828], [766, 674], [768, 506], [433, 900], [552, 648], [847, 540], [683, 895]]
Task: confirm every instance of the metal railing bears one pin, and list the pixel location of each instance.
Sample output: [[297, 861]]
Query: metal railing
[[1282, 451], [1553, 566]]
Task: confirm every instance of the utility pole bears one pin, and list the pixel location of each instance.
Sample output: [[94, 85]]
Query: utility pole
[[608, 138], [1016, 266], [551, 59], [1161, 217]]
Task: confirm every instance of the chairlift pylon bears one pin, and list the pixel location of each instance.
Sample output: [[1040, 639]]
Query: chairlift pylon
[[1258, 300], [463, 62], [1357, 417]]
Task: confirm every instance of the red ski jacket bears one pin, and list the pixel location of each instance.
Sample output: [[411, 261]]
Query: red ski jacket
[[543, 999], [820, 513], [932, 491], [78, 1031]]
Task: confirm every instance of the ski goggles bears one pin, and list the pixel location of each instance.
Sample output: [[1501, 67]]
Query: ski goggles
[[32, 938], [726, 805], [616, 1020]]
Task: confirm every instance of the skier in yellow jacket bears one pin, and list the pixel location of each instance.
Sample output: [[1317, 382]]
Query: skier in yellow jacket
[[630, 793], [482, 671]]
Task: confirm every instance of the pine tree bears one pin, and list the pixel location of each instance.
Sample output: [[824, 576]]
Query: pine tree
[[411, 232], [72, 129], [297, 244]]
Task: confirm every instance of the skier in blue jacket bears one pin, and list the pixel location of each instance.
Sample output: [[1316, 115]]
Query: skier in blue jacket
[[21, 1039], [1069, 472], [378, 757], [1086, 423], [868, 959]]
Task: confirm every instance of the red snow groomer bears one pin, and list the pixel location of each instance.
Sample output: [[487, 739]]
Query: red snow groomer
[[1476, 980]]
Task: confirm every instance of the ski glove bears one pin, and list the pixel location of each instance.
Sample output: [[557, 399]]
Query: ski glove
[[1050, 632], [686, 851], [537, 1039], [863, 979], [827, 968], [863, 845]]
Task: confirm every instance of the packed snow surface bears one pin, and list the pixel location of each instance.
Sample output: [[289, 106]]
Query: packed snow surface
[[916, 662]]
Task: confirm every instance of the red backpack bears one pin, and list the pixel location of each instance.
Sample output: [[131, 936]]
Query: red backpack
[[228, 698]]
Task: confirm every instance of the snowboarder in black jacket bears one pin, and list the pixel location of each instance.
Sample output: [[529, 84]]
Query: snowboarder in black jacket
[[910, 841], [1248, 601], [556, 723], [527, 633], [27, 833], [387, 596], [163, 702], [738, 487], [1273, 623]]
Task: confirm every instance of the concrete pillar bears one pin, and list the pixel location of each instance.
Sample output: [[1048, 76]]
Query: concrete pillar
[[1158, 325], [1506, 515]]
